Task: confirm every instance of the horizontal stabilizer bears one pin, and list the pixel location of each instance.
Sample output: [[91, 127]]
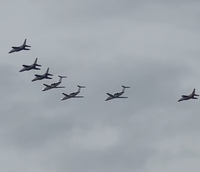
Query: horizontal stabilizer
[[80, 86], [37, 68], [125, 86], [62, 76], [37, 65], [49, 74]]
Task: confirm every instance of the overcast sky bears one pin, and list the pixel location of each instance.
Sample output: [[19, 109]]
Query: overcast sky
[[151, 46]]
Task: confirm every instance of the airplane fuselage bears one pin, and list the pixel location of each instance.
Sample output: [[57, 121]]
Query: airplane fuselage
[[20, 48], [71, 96], [187, 97], [54, 85], [27, 68], [40, 77], [74, 94], [117, 95]]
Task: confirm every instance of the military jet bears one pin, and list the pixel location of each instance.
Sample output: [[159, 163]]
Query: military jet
[[74, 94], [22, 47], [187, 97], [54, 85], [44, 76], [117, 95], [29, 67]]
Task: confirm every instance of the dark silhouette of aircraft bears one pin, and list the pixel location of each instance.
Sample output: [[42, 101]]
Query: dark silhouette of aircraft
[[19, 48], [187, 97], [54, 85], [117, 95], [44, 76], [30, 67], [74, 94]]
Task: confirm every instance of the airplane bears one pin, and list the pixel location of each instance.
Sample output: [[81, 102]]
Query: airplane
[[74, 94], [29, 67], [44, 76], [187, 97], [117, 95], [54, 85], [19, 48]]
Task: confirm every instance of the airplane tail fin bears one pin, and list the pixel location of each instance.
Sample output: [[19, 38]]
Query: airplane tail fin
[[193, 93], [47, 72], [24, 42], [79, 87], [26, 45], [124, 87], [61, 77], [35, 62]]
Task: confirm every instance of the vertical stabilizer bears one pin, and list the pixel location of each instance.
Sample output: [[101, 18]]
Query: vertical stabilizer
[[123, 88], [35, 62], [24, 42]]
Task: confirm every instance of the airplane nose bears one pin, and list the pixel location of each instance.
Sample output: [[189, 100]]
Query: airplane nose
[[11, 51]]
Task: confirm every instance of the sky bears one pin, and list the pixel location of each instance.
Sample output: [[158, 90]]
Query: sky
[[151, 46]]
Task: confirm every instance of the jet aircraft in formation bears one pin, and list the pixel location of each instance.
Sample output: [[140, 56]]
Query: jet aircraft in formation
[[54, 85], [19, 48], [44, 76], [29, 67], [117, 95], [74, 94], [187, 97]]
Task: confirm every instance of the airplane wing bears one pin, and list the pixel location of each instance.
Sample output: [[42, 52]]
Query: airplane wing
[[47, 85], [25, 65], [66, 95], [184, 96], [109, 98], [78, 97], [110, 95], [60, 87], [37, 75], [122, 97], [15, 47]]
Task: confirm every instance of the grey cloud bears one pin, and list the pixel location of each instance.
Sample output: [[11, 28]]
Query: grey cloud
[[150, 46]]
